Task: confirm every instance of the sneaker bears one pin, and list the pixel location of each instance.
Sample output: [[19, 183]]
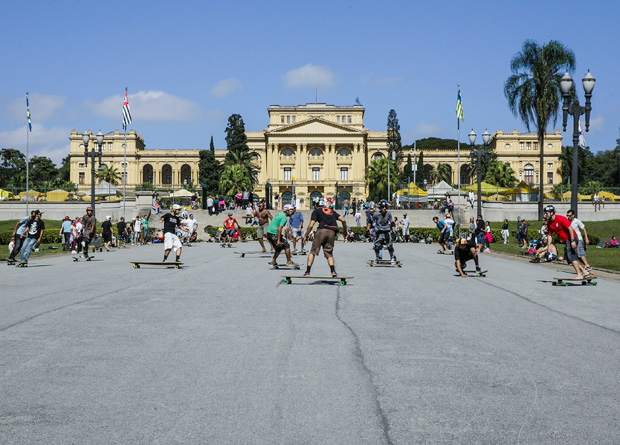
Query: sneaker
[[307, 274], [73, 252], [292, 264], [393, 260], [535, 260], [478, 269], [272, 263], [378, 259], [589, 268], [487, 250], [334, 274]]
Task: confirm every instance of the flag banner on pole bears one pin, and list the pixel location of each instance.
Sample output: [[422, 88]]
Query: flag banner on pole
[[126, 112], [28, 112], [582, 137], [357, 101], [459, 107]]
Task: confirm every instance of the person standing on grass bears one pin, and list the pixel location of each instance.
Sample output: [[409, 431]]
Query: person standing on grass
[[505, 232]]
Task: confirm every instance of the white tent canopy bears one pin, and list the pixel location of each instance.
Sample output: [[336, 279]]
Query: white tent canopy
[[104, 189], [440, 190], [181, 193]]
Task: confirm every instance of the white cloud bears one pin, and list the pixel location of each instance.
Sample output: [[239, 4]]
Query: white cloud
[[52, 143], [147, 106], [43, 107], [596, 123], [309, 76], [425, 129], [224, 87]]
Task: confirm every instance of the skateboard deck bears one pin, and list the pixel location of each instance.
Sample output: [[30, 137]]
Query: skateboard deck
[[79, 258], [288, 279], [384, 263], [284, 266], [445, 252], [300, 253], [473, 273], [258, 252], [574, 281], [176, 264]]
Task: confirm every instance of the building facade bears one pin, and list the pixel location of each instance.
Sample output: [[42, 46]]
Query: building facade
[[307, 151]]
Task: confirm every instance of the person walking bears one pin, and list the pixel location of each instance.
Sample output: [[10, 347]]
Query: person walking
[[89, 230], [106, 232], [505, 232], [297, 230], [121, 229], [404, 227], [325, 235], [31, 237], [65, 233], [263, 216]]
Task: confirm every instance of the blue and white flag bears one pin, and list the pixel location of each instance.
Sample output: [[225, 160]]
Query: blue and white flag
[[28, 112], [582, 138]]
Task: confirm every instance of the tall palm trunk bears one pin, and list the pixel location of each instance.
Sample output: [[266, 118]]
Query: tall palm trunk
[[541, 169]]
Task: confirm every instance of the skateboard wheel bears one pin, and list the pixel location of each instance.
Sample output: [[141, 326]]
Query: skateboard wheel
[[176, 267], [133, 267], [287, 281], [343, 283], [593, 283]]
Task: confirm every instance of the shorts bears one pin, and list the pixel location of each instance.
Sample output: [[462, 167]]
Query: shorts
[[405, 231], [273, 239], [570, 253], [262, 230], [383, 240], [171, 241], [229, 232], [445, 237], [298, 232], [323, 238], [581, 248], [107, 237]]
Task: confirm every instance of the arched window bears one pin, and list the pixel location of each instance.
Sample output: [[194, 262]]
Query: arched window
[[166, 174], [254, 157], [344, 153], [316, 153], [378, 156], [287, 152], [528, 171], [186, 174], [147, 173]]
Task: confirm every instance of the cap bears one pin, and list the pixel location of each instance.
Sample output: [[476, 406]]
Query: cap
[[289, 207], [322, 202], [122, 218], [38, 212], [67, 218], [176, 207], [463, 241], [88, 208]]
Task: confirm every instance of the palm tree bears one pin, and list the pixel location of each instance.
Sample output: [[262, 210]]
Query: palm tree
[[445, 172], [243, 159], [109, 175], [233, 179], [533, 90], [500, 174], [377, 178]]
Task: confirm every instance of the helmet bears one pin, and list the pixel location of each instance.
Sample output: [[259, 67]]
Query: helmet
[[108, 217], [176, 207], [550, 209], [288, 207], [383, 204], [88, 208], [230, 214], [322, 202]]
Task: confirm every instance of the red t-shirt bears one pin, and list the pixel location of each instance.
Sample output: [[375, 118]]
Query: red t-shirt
[[561, 226], [230, 223]]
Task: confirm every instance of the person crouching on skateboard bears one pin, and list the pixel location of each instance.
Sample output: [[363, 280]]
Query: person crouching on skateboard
[[465, 251], [276, 237], [325, 235], [383, 230], [172, 221], [562, 227]]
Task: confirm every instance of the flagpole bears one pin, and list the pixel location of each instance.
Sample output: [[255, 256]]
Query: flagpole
[[27, 154], [458, 138]]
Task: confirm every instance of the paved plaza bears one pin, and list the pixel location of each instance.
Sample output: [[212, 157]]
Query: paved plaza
[[223, 352]]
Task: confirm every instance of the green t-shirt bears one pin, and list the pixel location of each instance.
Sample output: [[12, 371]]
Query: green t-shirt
[[279, 220], [145, 224]]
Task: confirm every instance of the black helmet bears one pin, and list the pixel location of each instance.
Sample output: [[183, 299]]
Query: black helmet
[[550, 209], [383, 204]]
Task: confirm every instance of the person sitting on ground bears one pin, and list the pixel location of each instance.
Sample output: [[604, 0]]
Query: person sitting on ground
[[465, 251], [613, 243], [547, 252]]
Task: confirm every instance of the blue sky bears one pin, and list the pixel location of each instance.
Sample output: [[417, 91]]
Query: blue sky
[[189, 65]]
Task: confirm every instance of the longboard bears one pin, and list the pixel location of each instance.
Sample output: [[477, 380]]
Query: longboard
[[445, 252], [474, 273], [284, 266], [258, 252], [80, 258], [176, 264], [384, 263], [300, 253], [343, 280], [584, 281]]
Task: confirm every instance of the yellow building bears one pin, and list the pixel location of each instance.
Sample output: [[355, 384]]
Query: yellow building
[[308, 151]]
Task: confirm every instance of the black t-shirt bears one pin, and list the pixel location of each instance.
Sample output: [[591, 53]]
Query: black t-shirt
[[465, 255], [480, 226], [326, 217], [171, 223], [505, 226], [121, 226], [34, 228], [106, 226]]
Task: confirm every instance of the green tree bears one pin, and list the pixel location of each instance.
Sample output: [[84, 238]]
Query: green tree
[[12, 168], [234, 178], [109, 175], [393, 137], [408, 170], [236, 140], [566, 163], [444, 173], [533, 90], [64, 172], [42, 170], [420, 170], [500, 174], [377, 179], [209, 171]]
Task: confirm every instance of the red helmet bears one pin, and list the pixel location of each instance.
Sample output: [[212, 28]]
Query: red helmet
[[88, 208]]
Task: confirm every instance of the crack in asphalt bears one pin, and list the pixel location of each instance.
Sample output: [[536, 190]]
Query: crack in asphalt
[[384, 422]]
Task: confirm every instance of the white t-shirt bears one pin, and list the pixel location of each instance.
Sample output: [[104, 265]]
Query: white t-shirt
[[404, 223], [137, 226], [191, 224], [450, 225], [577, 227], [78, 228]]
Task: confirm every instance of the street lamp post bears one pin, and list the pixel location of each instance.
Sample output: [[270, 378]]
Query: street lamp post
[[479, 152], [92, 154], [575, 110]]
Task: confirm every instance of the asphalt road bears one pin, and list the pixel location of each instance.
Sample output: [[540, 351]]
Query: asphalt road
[[222, 352]]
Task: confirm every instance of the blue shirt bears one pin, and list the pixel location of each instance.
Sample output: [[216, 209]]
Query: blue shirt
[[66, 226], [296, 220], [440, 224], [22, 225]]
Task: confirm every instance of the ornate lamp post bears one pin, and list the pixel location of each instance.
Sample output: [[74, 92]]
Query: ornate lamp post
[[575, 110], [479, 152], [92, 154]]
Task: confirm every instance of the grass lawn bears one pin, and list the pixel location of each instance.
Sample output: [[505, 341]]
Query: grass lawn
[[603, 258], [44, 249]]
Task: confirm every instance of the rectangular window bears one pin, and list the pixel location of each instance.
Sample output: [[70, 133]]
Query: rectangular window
[[344, 174], [287, 173], [81, 165], [535, 145], [316, 174], [282, 119], [529, 145], [109, 146], [288, 119], [338, 119], [294, 119], [520, 145], [349, 119], [549, 164], [82, 179], [549, 177]]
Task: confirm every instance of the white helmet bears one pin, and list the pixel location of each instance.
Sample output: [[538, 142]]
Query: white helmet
[[108, 217], [176, 207]]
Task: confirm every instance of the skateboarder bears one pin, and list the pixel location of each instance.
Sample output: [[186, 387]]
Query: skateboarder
[[31, 237], [230, 227], [263, 216], [325, 235], [562, 227], [383, 231], [172, 221], [20, 227], [275, 236], [89, 230], [465, 251]]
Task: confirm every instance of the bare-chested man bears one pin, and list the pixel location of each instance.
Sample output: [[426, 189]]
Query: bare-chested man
[[263, 216]]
